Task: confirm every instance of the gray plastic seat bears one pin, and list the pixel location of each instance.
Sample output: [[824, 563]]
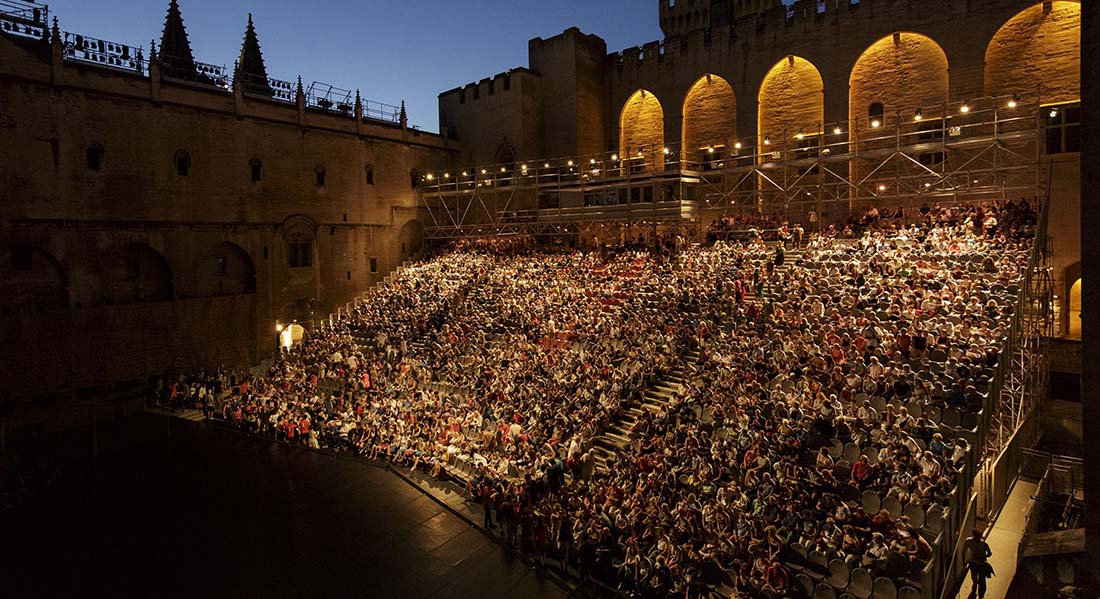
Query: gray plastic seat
[[824, 591], [872, 503], [915, 513], [861, 584], [872, 455], [885, 588], [818, 561], [806, 583], [893, 506], [835, 448], [933, 520], [851, 452], [908, 593], [838, 574]]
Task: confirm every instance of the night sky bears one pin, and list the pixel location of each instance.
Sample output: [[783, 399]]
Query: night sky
[[398, 50]]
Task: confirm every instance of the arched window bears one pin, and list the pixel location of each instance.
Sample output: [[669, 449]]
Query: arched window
[[370, 174], [875, 114], [94, 155], [414, 178], [255, 170], [319, 176], [183, 163]]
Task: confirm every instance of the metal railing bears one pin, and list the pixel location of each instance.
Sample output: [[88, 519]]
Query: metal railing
[[24, 19]]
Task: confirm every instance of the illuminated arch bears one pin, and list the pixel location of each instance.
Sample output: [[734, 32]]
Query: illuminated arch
[[903, 71], [641, 125], [1037, 47], [791, 99], [710, 115]]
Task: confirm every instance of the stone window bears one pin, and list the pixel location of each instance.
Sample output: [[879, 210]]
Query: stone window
[[319, 176], [183, 163], [370, 174], [255, 170], [299, 253], [373, 265], [875, 113], [94, 156], [221, 265], [1063, 128]]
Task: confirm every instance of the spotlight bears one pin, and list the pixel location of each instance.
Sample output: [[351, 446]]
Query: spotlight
[[465, 174], [591, 161], [665, 150], [918, 116], [965, 108], [767, 141], [430, 176], [503, 170], [523, 167], [1014, 101], [279, 328], [875, 123], [1054, 112], [446, 175], [737, 145], [614, 156], [483, 171], [882, 188], [640, 153], [799, 136], [547, 165], [928, 185], [837, 130], [710, 150], [570, 163]]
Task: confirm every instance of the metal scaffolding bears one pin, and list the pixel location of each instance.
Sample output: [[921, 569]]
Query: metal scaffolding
[[981, 149]]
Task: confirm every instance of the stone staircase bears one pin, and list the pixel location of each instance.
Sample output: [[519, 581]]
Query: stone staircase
[[618, 436]]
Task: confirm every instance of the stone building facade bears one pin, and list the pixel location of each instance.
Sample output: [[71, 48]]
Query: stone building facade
[[156, 216]]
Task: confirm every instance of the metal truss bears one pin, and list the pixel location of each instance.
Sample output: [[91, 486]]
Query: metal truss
[[982, 149], [1022, 377]]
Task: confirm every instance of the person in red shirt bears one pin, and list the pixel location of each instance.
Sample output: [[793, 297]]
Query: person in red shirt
[[862, 472]]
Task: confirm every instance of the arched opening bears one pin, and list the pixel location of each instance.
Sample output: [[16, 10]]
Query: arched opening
[[225, 270], [902, 71], [1037, 46], [791, 100], [1074, 329], [642, 132], [291, 336], [710, 121], [411, 238], [255, 170], [182, 161], [31, 279], [136, 273]]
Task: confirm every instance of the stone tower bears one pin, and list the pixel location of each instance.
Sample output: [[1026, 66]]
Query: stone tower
[[176, 59], [250, 65]]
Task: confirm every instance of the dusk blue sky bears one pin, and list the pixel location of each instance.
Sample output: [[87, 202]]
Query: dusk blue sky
[[398, 50]]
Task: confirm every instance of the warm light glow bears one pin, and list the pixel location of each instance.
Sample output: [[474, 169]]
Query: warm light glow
[[918, 116], [430, 176], [928, 185], [1053, 113], [278, 328], [570, 163], [710, 150], [882, 188], [767, 141], [465, 174], [1014, 101], [523, 167], [547, 165], [502, 169], [838, 130], [640, 153], [591, 161], [614, 156], [875, 123], [737, 145], [799, 136], [965, 108], [483, 171], [446, 175]]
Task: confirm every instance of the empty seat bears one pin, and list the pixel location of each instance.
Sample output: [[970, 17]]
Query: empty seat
[[824, 591], [908, 593], [842, 470], [835, 448], [872, 503], [885, 588], [838, 574], [915, 513], [952, 417], [861, 584], [805, 583], [851, 452], [800, 550], [818, 561], [892, 506], [872, 455], [933, 520]]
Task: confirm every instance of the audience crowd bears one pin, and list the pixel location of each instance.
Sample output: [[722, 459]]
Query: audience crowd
[[508, 367]]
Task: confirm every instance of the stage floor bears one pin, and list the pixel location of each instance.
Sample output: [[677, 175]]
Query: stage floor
[[173, 508]]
